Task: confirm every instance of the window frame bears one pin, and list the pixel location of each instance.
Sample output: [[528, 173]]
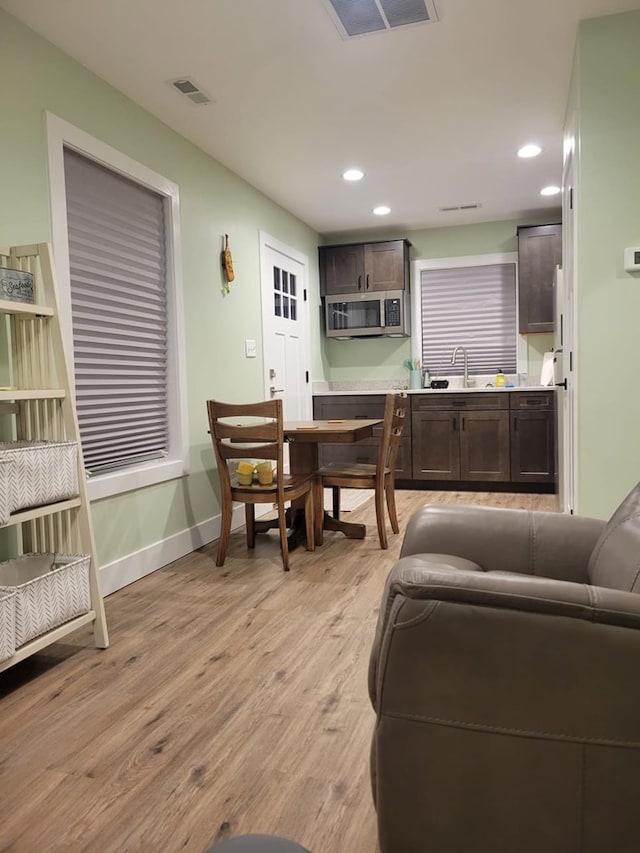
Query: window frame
[[458, 263], [61, 134]]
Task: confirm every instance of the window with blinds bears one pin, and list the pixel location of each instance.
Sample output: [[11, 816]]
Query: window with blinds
[[117, 260], [474, 307]]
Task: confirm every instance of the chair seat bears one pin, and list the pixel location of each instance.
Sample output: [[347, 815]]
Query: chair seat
[[289, 484], [353, 469]]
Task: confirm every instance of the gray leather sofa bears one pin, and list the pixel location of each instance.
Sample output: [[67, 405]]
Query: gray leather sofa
[[505, 676]]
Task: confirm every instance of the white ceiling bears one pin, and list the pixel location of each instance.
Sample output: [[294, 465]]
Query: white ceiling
[[433, 113]]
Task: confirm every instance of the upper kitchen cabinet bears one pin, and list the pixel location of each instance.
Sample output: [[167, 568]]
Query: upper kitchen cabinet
[[539, 253], [364, 267]]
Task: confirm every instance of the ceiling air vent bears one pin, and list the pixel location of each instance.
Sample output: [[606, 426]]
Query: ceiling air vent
[[193, 92], [451, 207], [358, 17]]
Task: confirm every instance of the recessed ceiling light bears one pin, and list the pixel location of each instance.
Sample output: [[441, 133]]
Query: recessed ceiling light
[[381, 210], [531, 150], [550, 190], [353, 175]]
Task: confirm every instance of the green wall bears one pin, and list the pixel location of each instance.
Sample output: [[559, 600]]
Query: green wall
[[608, 298], [382, 358], [37, 77]]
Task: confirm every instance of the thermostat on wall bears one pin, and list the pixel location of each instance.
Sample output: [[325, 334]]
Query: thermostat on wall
[[632, 259]]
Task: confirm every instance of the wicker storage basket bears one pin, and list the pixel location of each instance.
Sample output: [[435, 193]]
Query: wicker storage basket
[[7, 623], [6, 467], [43, 472], [49, 589]]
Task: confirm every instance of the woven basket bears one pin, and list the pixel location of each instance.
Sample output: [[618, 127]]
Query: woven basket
[[44, 472], [50, 589], [6, 467], [7, 623]]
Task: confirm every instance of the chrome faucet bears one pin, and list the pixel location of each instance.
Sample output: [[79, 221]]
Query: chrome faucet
[[466, 364]]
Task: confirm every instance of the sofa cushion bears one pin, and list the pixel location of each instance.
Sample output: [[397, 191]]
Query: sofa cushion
[[615, 560]]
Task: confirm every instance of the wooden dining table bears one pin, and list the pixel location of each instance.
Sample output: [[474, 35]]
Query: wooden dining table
[[304, 438]]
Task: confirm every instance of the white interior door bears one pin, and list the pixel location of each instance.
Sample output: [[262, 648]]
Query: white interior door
[[285, 327]]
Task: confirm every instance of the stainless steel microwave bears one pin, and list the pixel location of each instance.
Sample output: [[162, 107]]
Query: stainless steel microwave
[[351, 315]]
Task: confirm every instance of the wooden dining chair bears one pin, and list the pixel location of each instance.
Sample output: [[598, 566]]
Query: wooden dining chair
[[261, 437], [360, 475]]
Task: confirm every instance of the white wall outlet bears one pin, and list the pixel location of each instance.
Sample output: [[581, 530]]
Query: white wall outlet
[[632, 259], [250, 348]]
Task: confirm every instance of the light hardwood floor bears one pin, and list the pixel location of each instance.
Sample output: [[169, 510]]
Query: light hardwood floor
[[231, 700]]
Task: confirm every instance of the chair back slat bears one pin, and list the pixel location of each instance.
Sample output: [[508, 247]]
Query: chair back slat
[[253, 451], [266, 432]]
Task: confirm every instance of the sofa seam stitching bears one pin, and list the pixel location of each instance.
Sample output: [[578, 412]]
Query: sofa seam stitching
[[485, 727]]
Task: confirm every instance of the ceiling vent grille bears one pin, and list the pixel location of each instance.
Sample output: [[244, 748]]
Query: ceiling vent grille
[[452, 207], [191, 91], [359, 17]]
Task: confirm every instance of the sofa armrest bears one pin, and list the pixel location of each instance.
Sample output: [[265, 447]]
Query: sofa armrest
[[506, 651], [419, 579], [547, 544]]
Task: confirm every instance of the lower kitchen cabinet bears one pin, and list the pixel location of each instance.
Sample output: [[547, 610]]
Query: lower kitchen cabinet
[[461, 437], [488, 437], [532, 437], [365, 407]]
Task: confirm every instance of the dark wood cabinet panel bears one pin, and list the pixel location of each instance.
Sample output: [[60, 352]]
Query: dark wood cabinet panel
[[386, 265], [435, 439], [362, 267], [539, 252], [532, 446], [341, 269], [484, 446], [485, 401]]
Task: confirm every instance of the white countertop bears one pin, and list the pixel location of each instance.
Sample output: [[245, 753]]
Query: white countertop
[[360, 391]]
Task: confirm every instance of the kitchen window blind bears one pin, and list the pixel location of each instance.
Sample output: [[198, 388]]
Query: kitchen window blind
[[119, 315], [474, 307]]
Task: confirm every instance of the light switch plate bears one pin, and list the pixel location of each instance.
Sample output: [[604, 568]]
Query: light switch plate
[[250, 348], [632, 259]]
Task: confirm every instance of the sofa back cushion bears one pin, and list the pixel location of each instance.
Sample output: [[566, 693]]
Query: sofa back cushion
[[615, 560]]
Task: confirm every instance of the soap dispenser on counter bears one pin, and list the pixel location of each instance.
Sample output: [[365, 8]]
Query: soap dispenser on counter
[[500, 379]]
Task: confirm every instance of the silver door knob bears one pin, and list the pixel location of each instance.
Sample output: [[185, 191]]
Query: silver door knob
[[275, 390]]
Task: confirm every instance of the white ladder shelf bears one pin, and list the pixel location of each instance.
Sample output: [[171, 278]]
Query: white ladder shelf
[[41, 399]]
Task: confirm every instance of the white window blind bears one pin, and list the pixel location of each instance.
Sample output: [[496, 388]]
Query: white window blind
[[119, 314], [474, 307]]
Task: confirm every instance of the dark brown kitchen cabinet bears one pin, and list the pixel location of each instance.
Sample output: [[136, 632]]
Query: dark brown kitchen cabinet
[[365, 407], [532, 437], [539, 253], [461, 437], [364, 267]]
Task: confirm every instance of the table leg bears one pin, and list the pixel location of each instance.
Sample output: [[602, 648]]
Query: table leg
[[303, 459]]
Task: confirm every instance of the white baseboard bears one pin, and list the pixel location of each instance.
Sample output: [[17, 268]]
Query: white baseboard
[[132, 567]]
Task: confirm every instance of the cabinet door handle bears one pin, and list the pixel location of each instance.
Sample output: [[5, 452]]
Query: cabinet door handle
[[515, 423], [367, 287], [463, 425], [359, 282], [453, 422]]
